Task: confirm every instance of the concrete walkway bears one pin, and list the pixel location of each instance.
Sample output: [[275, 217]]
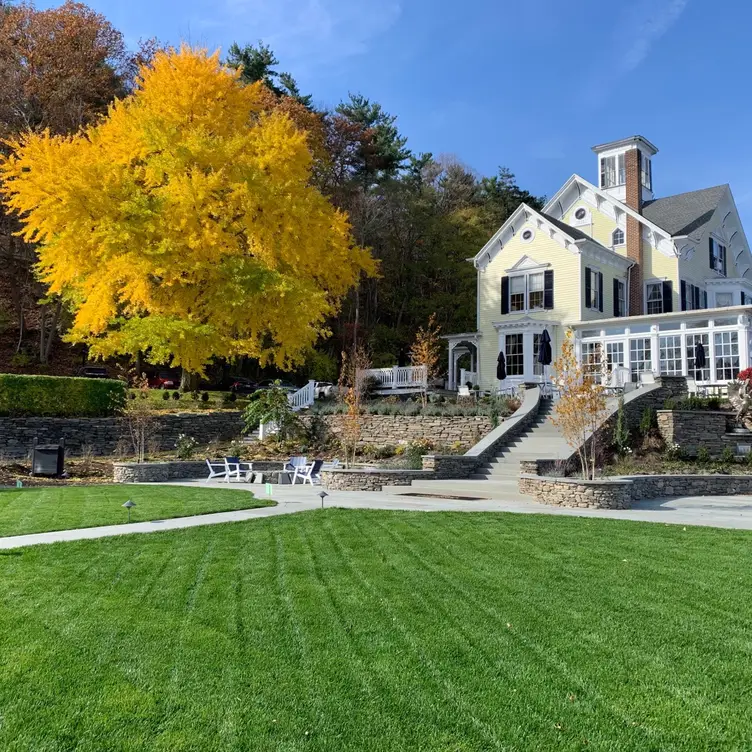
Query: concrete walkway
[[727, 512]]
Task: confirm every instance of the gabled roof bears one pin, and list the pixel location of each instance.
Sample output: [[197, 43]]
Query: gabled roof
[[685, 213], [573, 232]]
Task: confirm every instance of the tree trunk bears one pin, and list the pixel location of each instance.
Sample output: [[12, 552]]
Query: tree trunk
[[188, 381], [47, 338]]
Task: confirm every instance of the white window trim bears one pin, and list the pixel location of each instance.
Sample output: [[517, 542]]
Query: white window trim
[[648, 283], [645, 161], [623, 282], [615, 156], [596, 278], [624, 238], [527, 275], [719, 272], [689, 283]]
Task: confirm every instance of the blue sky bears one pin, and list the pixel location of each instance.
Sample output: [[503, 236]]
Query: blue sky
[[529, 85]]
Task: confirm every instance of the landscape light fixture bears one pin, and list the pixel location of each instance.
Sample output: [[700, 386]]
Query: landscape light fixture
[[129, 505], [323, 495]]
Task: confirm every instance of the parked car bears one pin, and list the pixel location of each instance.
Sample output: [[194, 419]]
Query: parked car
[[269, 383], [164, 380], [94, 372], [324, 389], [241, 385]]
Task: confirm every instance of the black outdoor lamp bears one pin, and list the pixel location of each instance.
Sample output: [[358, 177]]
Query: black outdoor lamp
[[129, 505], [323, 495]]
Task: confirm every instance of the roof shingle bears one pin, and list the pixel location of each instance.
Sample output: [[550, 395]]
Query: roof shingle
[[684, 213]]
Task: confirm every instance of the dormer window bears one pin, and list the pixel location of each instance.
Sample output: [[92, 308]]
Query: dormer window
[[617, 237], [613, 171], [717, 256], [646, 173]]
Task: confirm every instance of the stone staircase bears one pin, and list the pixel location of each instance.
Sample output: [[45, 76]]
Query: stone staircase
[[541, 440]]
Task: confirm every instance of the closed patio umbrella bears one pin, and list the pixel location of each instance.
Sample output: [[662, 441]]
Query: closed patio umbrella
[[700, 359], [544, 348], [501, 367]]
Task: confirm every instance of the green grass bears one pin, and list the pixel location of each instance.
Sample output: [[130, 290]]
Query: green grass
[[35, 510], [353, 630]]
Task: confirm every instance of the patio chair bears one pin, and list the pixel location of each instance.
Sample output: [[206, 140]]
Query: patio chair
[[217, 469], [292, 465], [646, 378], [333, 465], [310, 473], [463, 391], [238, 470]]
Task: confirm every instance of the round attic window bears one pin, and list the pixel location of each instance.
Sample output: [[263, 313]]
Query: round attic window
[[527, 236], [580, 213]]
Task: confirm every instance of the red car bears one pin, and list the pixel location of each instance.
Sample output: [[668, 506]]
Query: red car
[[164, 380]]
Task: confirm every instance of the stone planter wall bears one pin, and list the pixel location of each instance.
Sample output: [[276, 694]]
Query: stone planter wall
[[571, 492], [103, 435], [370, 480], [159, 472], [666, 486], [381, 430], [691, 429]]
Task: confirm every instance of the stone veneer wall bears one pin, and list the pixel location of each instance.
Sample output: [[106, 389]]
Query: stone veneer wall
[[659, 486], [159, 472], [691, 429], [571, 492], [104, 434], [370, 480], [395, 429]]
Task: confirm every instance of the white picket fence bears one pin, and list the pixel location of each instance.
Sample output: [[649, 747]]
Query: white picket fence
[[397, 378]]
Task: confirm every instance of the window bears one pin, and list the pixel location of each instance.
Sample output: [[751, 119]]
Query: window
[[591, 358], [724, 299], [692, 340], [640, 361], [654, 297], [537, 367], [535, 291], [614, 354], [613, 171], [527, 236], [671, 355], [580, 214], [617, 237], [717, 256], [514, 355], [593, 289], [726, 356], [693, 298], [517, 293], [646, 173], [620, 297]]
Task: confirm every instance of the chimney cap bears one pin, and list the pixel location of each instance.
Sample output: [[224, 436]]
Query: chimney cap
[[639, 142]]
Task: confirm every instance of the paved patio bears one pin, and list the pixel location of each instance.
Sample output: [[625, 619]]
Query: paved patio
[[721, 511]]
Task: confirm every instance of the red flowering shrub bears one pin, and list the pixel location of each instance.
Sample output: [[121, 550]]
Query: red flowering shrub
[[745, 375]]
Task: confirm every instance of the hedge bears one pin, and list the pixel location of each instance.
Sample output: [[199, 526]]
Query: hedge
[[59, 396]]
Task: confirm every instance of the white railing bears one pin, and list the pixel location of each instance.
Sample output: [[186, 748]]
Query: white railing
[[397, 377], [466, 376], [303, 397]]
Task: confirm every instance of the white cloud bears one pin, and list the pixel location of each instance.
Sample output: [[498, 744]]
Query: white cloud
[[644, 25], [305, 32]]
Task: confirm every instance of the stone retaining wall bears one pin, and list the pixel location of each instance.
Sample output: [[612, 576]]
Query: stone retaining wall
[[160, 472], [666, 486], [691, 429], [571, 492], [103, 435], [382, 430], [371, 480]]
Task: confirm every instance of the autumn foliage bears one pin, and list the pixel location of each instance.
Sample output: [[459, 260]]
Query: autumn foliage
[[185, 224]]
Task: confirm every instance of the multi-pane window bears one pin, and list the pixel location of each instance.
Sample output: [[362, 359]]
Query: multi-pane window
[[718, 256], [537, 367], [654, 297], [646, 173], [593, 293], [693, 298], [591, 358], [724, 299], [613, 171], [517, 293], [671, 355], [692, 340], [535, 291], [726, 355], [617, 236], [639, 356], [514, 355], [614, 355]]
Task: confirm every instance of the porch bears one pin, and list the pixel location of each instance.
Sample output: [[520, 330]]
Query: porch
[[396, 380], [463, 346]]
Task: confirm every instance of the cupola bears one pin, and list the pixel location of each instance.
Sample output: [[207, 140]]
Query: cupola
[[625, 170]]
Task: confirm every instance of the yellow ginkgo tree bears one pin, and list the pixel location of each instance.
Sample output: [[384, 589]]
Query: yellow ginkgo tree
[[184, 224]]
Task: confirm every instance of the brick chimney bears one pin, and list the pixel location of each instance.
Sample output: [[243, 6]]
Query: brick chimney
[[625, 172], [633, 199]]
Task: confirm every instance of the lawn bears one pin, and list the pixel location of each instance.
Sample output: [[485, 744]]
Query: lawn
[[359, 630], [38, 509]]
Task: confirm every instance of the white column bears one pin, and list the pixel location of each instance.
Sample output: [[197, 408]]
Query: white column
[[528, 355], [711, 351], [743, 342], [655, 352], [452, 368], [685, 355]]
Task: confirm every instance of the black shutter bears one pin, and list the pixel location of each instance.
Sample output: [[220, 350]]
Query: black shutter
[[710, 251], [704, 298], [743, 299], [548, 289], [668, 297], [588, 290], [617, 312], [696, 297], [724, 253], [683, 285], [600, 292], [504, 295]]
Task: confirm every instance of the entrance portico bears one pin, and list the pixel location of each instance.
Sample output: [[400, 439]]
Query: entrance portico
[[519, 341], [460, 345]]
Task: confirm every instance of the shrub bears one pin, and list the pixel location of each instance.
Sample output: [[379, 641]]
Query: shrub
[[674, 452], [621, 431], [745, 375], [60, 396], [727, 456], [195, 396], [703, 456], [165, 396], [185, 446], [205, 396], [176, 396], [648, 421]]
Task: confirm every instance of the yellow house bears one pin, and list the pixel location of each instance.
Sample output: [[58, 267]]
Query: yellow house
[[641, 280]]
